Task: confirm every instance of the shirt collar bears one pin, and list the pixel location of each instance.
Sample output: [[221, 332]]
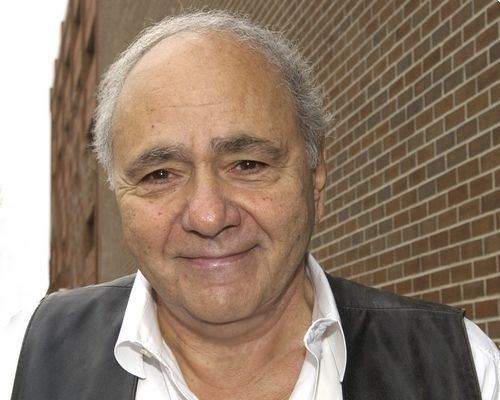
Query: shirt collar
[[326, 325], [140, 334]]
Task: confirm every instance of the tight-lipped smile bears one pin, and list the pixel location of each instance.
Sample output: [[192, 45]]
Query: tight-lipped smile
[[215, 260]]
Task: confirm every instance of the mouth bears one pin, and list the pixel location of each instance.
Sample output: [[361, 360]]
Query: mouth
[[205, 260]]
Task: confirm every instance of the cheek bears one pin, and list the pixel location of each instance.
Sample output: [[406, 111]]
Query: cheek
[[284, 214], [144, 226]]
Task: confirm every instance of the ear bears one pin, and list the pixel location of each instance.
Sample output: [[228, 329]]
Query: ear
[[319, 186]]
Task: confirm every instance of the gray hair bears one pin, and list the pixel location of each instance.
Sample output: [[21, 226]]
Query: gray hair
[[279, 52]]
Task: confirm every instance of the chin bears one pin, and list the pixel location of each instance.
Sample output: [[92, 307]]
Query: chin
[[223, 311]]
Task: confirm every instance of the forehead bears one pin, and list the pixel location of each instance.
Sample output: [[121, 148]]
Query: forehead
[[204, 66], [202, 81]]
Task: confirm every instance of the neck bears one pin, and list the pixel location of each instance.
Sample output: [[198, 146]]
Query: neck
[[231, 356]]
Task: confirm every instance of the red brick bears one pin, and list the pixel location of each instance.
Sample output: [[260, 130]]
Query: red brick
[[443, 69], [457, 195], [469, 209], [437, 204], [462, 16], [447, 218], [461, 273], [447, 180], [404, 287], [468, 170], [493, 286], [490, 159], [495, 93], [429, 261], [463, 55], [492, 243], [441, 33], [494, 52], [489, 118], [455, 118], [454, 80], [477, 104], [421, 283], [464, 92], [443, 106], [434, 296], [428, 225], [480, 4], [483, 225], [480, 144], [402, 252], [490, 201], [434, 130], [486, 266], [494, 329], [488, 77], [485, 309], [473, 290], [451, 294], [460, 233], [420, 246], [419, 15], [487, 37], [409, 199], [473, 27], [471, 249], [492, 13], [431, 59], [440, 278], [452, 43], [446, 10]]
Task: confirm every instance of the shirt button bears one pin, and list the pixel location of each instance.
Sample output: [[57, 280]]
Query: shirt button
[[145, 353]]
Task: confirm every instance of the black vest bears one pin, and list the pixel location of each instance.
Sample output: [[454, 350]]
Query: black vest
[[397, 348]]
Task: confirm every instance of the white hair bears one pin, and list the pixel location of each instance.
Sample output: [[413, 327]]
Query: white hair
[[279, 52]]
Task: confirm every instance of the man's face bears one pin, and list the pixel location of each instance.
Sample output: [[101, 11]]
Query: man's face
[[212, 180]]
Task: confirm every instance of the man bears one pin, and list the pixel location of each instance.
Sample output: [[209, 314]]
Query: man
[[212, 136]]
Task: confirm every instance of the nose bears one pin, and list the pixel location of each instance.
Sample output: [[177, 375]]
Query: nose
[[209, 211]]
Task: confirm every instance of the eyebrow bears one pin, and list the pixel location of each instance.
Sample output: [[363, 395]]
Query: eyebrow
[[155, 155], [243, 142]]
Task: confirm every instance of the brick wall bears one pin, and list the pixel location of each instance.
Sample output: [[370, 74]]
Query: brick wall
[[414, 192], [73, 169], [414, 157]]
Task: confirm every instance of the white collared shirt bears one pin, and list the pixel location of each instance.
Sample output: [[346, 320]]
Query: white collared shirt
[[141, 351]]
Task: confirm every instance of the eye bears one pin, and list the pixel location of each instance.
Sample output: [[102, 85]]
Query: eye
[[158, 176], [249, 166]]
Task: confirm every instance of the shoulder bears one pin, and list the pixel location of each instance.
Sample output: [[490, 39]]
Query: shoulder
[[72, 330], [69, 300], [85, 306], [352, 295]]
